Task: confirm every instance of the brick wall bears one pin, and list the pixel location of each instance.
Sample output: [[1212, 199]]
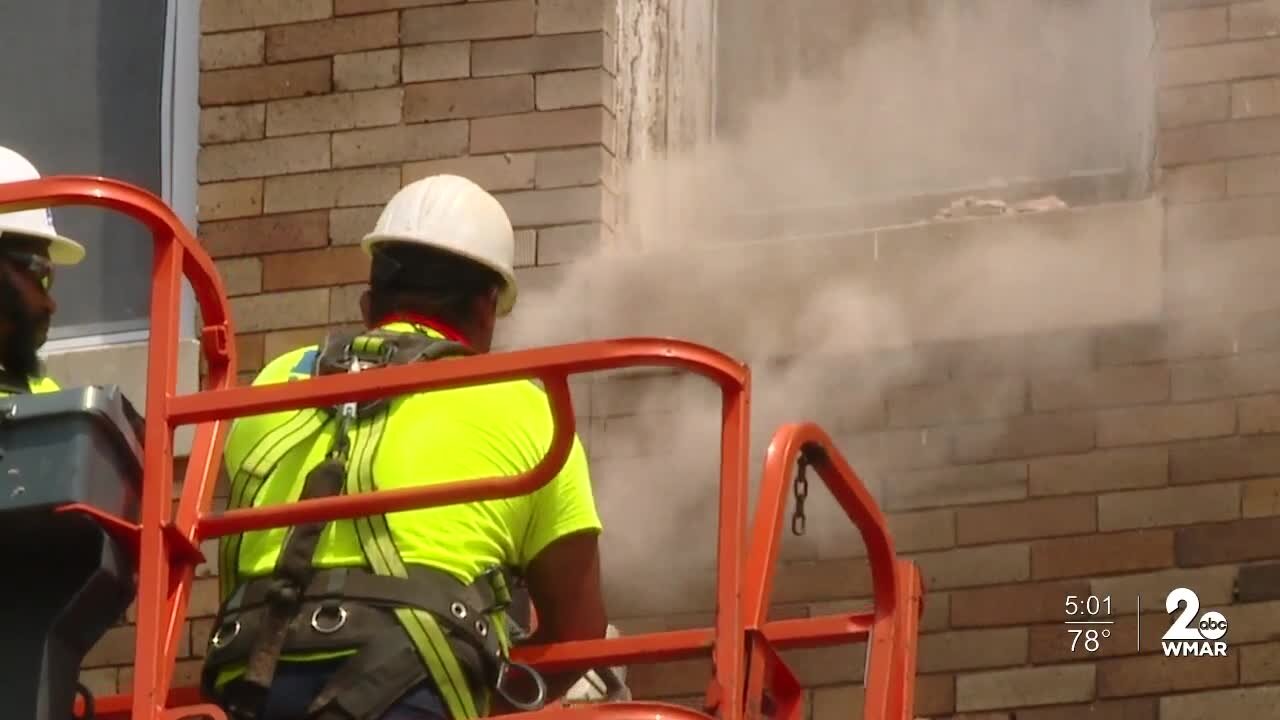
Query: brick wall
[[1119, 460]]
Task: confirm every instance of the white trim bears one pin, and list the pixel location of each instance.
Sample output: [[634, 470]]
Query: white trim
[[180, 121], [96, 340]]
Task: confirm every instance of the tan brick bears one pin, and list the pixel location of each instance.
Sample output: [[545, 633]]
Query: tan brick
[[1048, 517], [424, 141], [1052, 353], [473, 21], [1194, 105], [941, 404], [1260, 664], [809, 581], [241, 275], [571, 16], [1216, 222], [1250, 539], [917, 531], [1129, 709], [1019, 604], [1154, 675], [972, 649], [356, 7], [1168, 506], [526, 248], [1257, 582], [365, 70], [963, 485], [228, 50], [232, 123], [555, 207], [543, 53], [473, 97], [531, 131], [935, 695], [348, 225], [1024, 436], [249, 349], [267, 233], [1255, 98], [256, 158], [1254, 622], [1105, 388], [1220, 141], [344, 303], [895, 449], [1024, 687], [1213, 63], [569, 242], [204, 592], [332, 37], [339, 188], [1225, 459], [505, 171], [1253, 176], [574, 88], [842, 702], [1101, 554], [314, 268], [437, 61], [827, 665], [1261, 498], [115, 647], [218, 15], [1199, 26], [226, 200], [1183, 339], [1254, 20], [1166, 423], [1195, 183], [102, 682], [282, 341], [274, 311], [340, 111], [269, 82], [581, 166], [1099, 470], [1214, 585], [1259, 414], [1255, 702], [968, 567], [1240, 375]]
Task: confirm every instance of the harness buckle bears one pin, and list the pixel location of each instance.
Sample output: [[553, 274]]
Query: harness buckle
[[335, 626], [539, 700]]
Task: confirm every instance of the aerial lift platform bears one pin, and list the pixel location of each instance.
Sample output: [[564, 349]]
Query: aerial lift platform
[[88, 522]]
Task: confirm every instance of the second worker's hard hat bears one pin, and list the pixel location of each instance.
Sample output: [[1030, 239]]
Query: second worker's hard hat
[[35, 222], [454, 215]]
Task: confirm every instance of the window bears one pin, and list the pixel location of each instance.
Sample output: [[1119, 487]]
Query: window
[[89, 89]]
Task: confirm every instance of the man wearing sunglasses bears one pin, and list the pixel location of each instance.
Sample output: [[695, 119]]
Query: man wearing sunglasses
[[29, 248]]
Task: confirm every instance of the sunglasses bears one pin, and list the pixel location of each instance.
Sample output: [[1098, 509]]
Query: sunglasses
[[37, 266]]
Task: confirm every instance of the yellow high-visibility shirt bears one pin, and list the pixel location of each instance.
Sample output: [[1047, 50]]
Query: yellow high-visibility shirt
[[499, 429], [37, 385]]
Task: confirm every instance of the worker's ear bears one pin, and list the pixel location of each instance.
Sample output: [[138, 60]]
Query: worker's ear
[[364, 308]]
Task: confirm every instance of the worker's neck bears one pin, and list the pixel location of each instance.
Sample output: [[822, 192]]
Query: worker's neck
[[456, 333]]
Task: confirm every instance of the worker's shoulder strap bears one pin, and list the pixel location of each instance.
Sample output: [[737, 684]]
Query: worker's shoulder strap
[[380, 348]]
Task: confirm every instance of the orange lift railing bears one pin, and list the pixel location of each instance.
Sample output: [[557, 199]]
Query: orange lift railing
[[749, 679]]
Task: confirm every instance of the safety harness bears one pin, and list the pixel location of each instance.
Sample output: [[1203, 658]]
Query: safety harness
[[404, 623]]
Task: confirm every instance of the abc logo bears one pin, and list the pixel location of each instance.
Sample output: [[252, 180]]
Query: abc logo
[[1212, 625]]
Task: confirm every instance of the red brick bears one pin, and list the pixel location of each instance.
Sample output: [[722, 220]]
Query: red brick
[[1043, 518], [1250, 539], [331, 37], [472, 21], [1165, 423], [268, 233], [1012, 604], [474, 97], [1225, 459], [314, 268], [249, 351], [1102, 554], [1027, 436], [1156, 675], [1100, 470], [1261, 498], [1257, 583], [268, 82]]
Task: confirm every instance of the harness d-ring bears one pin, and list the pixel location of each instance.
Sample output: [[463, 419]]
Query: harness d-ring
[[328, 629], [537, 703]]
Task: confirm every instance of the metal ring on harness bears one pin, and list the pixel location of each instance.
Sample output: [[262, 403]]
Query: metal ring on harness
[[327, 630], [458, 609], [539, 700], [219, 640]]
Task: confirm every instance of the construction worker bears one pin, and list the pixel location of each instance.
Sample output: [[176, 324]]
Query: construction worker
[[403, 616], [29, 248]]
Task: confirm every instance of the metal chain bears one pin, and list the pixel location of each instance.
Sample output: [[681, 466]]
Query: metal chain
[[801, 493]]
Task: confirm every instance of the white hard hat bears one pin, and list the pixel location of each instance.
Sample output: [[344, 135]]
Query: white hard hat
[[36, 222], [455, 215]]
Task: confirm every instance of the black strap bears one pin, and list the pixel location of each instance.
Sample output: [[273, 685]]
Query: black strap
[[371, 681]]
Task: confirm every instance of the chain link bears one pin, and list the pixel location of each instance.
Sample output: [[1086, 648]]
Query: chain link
[[801, 494]]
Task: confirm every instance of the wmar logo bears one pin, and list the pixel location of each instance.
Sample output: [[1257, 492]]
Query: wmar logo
[[1188, 636]]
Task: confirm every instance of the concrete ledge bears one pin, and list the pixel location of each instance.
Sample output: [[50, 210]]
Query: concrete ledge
[[126, 365]]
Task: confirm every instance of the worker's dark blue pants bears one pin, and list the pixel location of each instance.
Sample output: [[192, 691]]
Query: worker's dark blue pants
[[296, 683]]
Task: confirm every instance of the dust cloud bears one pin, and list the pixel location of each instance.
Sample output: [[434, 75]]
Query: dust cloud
[[844, 128]]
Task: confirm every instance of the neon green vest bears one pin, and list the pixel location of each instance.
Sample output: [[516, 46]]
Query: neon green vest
[[38, 385]]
